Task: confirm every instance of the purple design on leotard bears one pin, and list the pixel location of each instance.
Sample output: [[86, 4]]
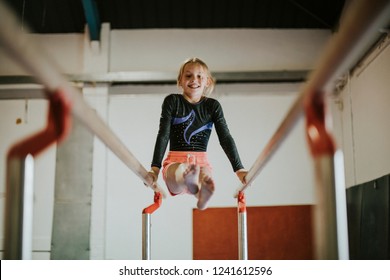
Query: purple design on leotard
[[191, 116]]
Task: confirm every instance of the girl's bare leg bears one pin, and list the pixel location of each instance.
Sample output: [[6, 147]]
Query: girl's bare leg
[[181, 176], [175, 179], [207, 188], [191, 178]]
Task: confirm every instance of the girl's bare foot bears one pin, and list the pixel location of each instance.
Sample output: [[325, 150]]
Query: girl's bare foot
[[206, 191], [191, 178]]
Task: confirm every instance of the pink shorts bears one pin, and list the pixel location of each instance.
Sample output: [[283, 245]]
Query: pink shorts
[[199, 158]]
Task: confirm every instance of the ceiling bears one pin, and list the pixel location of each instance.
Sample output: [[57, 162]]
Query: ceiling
[[71, 16]]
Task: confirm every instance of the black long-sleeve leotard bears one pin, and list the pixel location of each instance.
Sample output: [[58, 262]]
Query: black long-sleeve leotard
[[187, 127]]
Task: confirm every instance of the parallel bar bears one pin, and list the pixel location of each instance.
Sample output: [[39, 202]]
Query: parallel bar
[[324, 214], [323, 150], [341, 206], [13, 227], [146, 236], [242, 227], [242, 237], [28, 208], [358, 30], [18, 208], [31, 57], [19, 183], [146, 226]]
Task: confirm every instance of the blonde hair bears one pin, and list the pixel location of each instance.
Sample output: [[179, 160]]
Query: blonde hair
[[201, 63]]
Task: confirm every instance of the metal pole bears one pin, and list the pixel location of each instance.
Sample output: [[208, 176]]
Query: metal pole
[[341, 205], [146, 226], [146, 236], [19, 209], [330, 217], [242, 228], [324, 214], [242, 236], [330, 212], [28, 208]]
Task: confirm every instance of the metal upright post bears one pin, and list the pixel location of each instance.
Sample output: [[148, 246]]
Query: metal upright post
[[146, 226], [242, 228], [330, 209], [324, 211], [146, 237], [330, 212], [19, 209], [19, 193]]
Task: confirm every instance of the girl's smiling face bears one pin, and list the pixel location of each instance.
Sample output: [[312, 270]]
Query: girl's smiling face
[[194, 81]]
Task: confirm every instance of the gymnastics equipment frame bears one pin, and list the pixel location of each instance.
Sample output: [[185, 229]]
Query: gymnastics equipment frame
[[146, 226]]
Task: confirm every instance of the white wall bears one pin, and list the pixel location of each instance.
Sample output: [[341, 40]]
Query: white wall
[[165, 49], [65, 50], [222, 49]]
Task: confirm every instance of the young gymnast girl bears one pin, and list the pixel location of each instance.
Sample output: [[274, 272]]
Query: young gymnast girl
[[186, 123]]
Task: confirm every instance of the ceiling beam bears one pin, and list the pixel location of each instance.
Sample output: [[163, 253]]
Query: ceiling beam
[[18, 87], [155, 77]]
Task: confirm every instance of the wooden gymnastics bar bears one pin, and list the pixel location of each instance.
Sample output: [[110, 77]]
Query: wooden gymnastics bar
[[359, 28]]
